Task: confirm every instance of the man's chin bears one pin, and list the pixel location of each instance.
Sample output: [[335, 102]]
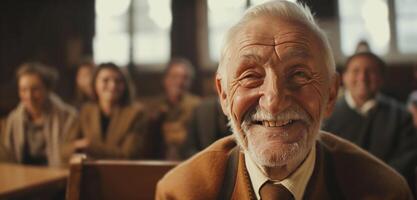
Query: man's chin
[[274, 153], [32, 108]]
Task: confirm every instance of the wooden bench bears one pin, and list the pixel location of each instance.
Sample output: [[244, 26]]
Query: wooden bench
[[114, 179]]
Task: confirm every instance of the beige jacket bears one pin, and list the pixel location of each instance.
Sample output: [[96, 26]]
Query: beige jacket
[[58, 122]]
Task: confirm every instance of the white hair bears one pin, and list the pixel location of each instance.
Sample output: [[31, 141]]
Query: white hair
[[277, 8]]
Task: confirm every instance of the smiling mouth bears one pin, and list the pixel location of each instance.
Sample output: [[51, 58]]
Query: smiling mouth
[[275, 123]]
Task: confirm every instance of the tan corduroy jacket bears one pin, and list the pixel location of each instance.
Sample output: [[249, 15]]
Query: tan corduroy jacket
[[125, 138], [342, 171]]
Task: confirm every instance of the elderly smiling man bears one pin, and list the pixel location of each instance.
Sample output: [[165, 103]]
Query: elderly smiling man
[[276, 82]]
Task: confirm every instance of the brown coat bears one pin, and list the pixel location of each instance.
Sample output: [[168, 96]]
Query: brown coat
[[342, 171], [170, 123], [125, 136], [178, 113]]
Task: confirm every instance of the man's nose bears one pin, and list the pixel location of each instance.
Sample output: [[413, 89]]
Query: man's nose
[[364, 76], [29, 95], [273, 94]]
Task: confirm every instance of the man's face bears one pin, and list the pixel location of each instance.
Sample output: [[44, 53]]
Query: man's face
[[177, 80], [83, 79], [362, 78], [32, 92], [413, 110], [278, 90]]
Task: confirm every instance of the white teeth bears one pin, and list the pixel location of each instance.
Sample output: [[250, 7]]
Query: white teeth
[[276, 123]]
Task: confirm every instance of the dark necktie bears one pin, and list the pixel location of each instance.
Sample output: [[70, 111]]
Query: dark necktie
[[270, 191]]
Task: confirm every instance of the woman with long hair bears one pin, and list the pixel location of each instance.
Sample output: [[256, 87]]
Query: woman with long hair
[[112, 126]]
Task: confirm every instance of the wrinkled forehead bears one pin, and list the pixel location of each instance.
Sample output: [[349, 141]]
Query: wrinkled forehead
[[281, 34]]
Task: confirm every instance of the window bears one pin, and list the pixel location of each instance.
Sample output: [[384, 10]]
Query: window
[[152, 24], [111, 42], [406, 24], [221, 16], [144, 40], [364, 20]]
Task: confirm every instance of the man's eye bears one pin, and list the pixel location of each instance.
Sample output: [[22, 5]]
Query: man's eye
[[250, 80], [299, 77], [250, 76], [300, 74]]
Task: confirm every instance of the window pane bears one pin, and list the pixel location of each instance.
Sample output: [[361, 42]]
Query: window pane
[[152, 23], [364, 20], [111, 42], [112, 48], [406, 19], [221, 16], [256, 2]]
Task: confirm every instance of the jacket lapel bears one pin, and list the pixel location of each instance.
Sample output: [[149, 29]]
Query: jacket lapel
[[15, 136], [119, 124], [316, 187], [323, 183], [92, 123], [243, 186]]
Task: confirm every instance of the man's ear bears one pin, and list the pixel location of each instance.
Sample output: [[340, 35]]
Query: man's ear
[[222, 93], [333, 94]]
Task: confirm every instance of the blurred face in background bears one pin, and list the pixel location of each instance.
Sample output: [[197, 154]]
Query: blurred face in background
[[32, 92], [83, 79], [362, 78], [177, 80], [109, 86], [413, 110]]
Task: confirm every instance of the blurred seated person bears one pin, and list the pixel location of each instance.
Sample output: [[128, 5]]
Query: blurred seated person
[[208, 124], [83, 91], [175, 106], [412, 106], [4, 156], [371, 120], [111, 127], [412, 98], [34, 131]]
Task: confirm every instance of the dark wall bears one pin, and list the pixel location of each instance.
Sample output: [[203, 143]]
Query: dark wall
[[322, 8], [184, 42], [400, 81], [56, 32]]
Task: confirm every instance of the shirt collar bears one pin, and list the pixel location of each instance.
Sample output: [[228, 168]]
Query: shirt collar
[[365, 108], [295, 183]]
